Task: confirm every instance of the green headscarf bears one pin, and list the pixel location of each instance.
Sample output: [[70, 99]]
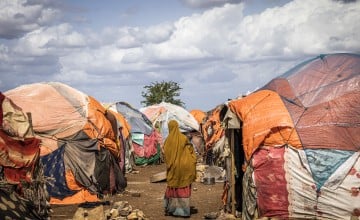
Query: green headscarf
[[180, 158]]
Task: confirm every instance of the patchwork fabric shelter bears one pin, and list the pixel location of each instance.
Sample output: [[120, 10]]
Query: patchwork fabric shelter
[[145, 139], [161, 114], [119, 122], [80, 149], [22, 183], [301, 141]]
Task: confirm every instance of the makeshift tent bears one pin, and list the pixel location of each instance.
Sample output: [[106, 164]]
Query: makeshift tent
[[119, 123], [214, 135], [145, 139], [80, 150], [161, 114], [301, 142], [199, 115], [22, 183]]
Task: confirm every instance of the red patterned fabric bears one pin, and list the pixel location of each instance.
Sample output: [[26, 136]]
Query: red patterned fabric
[[271, 184], [149, 147], [184, 192], [18, 157]]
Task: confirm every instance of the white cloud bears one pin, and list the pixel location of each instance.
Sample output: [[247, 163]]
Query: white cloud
[[63, 36], [132, 56], [220, 51], [300, 27], [49, 41], [74, 76], [207, 3], [18, 18], [156, 33]]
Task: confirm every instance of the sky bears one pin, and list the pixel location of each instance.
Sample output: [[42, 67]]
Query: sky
[[214, 49]]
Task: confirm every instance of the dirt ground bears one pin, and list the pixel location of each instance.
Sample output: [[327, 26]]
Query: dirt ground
[[148, 197]]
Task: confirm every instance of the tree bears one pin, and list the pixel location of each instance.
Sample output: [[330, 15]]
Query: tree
[[162, 91]]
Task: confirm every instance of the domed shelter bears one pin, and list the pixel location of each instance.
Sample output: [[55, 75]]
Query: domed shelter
[[79, 149], [301, 143], [145, 139], [160, 114]]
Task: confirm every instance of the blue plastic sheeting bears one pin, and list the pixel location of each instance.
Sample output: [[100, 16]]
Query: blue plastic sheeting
[[138, 121], [54, 168], [324, 162]]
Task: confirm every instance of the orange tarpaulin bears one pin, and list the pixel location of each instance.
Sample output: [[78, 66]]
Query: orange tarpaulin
[[212, 129], [261, 124], [99, 127], [81, 196], [198, 115]]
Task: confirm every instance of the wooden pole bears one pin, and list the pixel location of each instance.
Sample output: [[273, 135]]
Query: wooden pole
[[233, 169]]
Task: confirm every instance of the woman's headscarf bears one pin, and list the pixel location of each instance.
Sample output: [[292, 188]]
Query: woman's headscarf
[[180, 158]]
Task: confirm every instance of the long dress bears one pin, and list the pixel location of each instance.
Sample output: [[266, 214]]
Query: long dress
[[180, 160]]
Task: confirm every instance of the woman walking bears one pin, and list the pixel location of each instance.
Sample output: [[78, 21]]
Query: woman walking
[[180, 160]]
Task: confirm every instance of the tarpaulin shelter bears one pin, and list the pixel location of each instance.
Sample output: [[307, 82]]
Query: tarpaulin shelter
[[198, 114], [145, 139], [214, 134], [22, 183], [160, 114], [198, 139], [300, 136], [79, 149], [120, 123]]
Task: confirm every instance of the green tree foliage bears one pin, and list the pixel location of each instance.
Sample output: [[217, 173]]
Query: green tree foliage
[[158, 92]]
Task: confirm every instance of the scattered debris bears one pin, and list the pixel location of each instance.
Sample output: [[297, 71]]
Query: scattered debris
[[120, 210], [158, 177], [206, 172], [136, 215], [96, 213], [211, 215], [221, 215]]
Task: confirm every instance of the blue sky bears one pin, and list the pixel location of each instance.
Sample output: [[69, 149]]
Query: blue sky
[[214, 49]]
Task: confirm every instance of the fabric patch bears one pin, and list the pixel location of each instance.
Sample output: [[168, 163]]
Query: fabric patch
[[184, 192], [54, 168], [270, 181], [138, 138], [324, 162]]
